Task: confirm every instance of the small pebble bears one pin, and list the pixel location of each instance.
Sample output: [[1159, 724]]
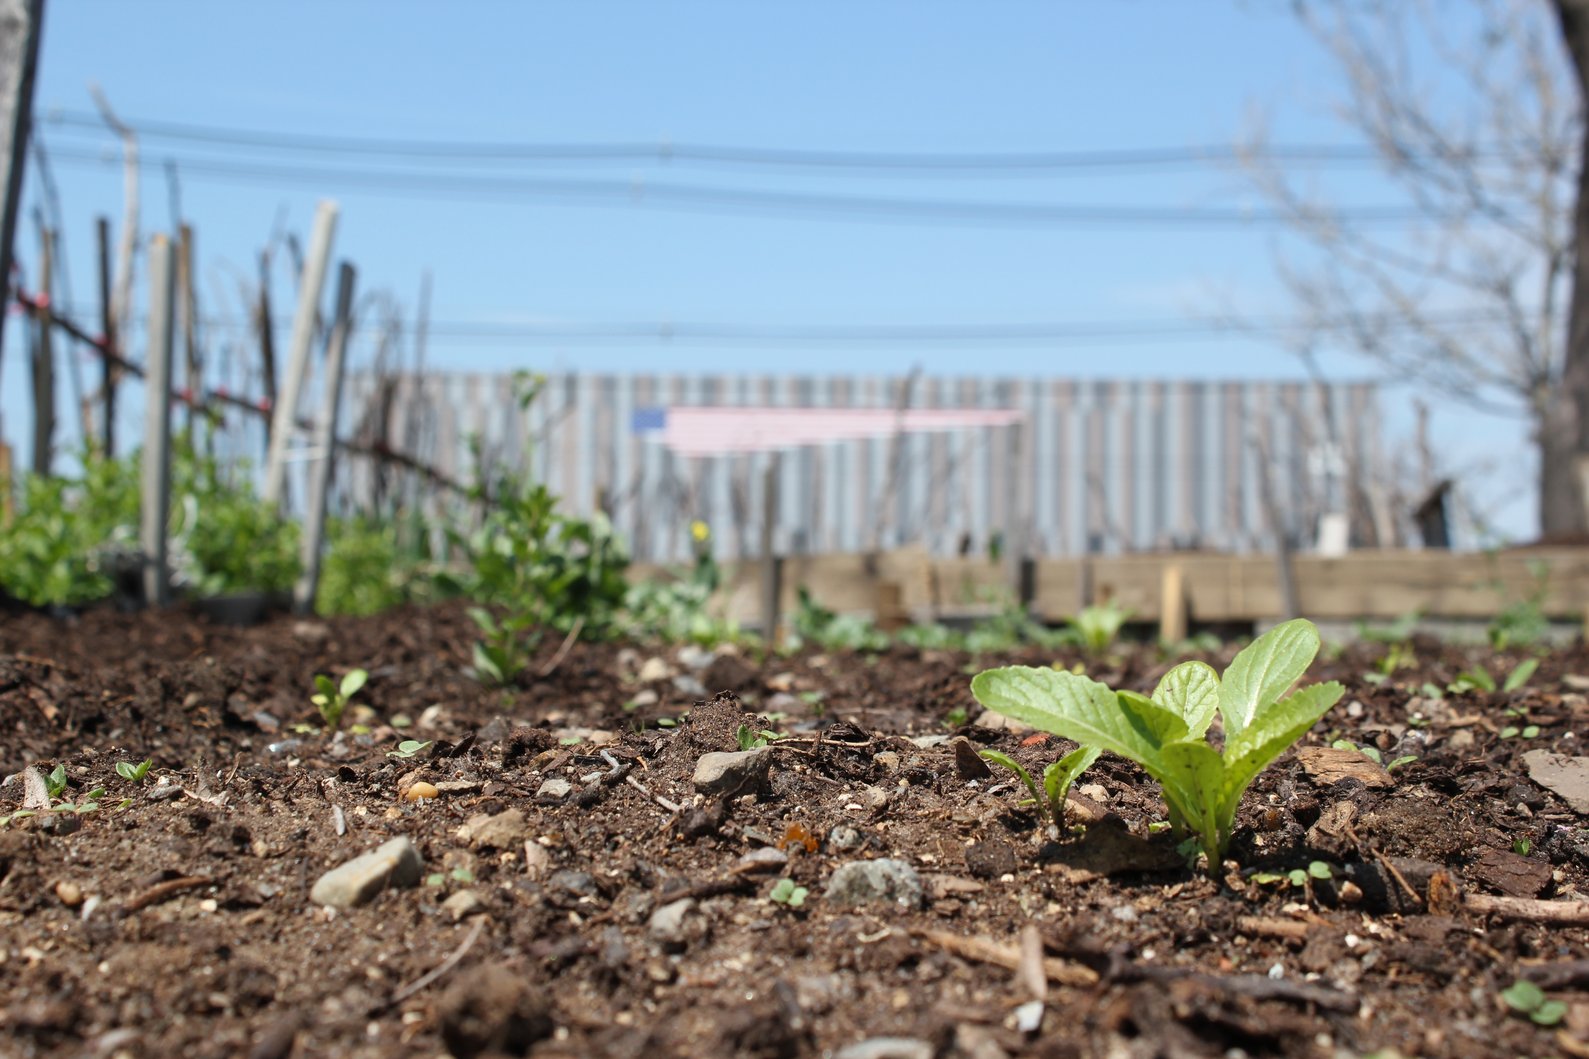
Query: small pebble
[[69, 893], [420, 790]]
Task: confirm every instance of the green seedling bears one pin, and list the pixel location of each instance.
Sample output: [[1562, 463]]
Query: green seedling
[[55, 782], [408, 748], [1165, 733], [1057, 780], [1099, 626], [751, 739], [1522, 846], [1480, 679], [331, 699], [958, 717], [134, 773], [1526, 998], [1370, 752], [785, 892]]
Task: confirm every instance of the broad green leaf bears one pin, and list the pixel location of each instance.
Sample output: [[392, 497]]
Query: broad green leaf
[[1192, 690], [1272, 733], [1074, 707], [1519, 676], [1523, 996], [324, 686], [1193, 774], [1016, 767], [1156, 723], [1264, 670], [1059, 776], [355, 680]]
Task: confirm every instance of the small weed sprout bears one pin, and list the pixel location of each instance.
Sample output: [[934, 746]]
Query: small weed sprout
[[332, 699], [134, 773], [1526, 998], [55, 782], [408, 748], [1057, 781], [749, 738], [1165, 733], [785, 892], [1099, 626]]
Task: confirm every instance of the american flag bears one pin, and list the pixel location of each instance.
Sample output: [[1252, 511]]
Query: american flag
[[699, 431]]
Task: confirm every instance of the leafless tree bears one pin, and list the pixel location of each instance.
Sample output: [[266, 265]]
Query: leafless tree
[[1473, 288]]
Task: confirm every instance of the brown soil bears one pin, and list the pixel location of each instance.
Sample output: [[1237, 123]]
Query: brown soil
[[183, 925]]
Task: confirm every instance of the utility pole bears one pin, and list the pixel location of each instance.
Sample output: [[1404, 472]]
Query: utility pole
[[20, 23]]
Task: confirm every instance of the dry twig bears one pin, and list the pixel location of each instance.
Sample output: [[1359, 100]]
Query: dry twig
[[440, 969], [982, 950]]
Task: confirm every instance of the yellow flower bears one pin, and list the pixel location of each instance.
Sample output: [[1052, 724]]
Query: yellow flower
[[700, 530]]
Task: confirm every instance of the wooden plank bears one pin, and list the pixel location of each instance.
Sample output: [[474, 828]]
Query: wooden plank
[[19, 60], [156, 500], [1370, 585], [325, 443], [284, 415]]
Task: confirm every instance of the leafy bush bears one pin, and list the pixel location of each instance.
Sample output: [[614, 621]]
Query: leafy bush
[[225, 539], [815, 624], [368, 568], [1165, 733], [55, 550], [674, 610], [540, 569]]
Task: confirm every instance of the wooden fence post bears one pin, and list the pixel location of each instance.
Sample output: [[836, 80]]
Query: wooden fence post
[[43, 363], [1174, 614], [284, 414], [771, 562], [157, 421], [107, 327], [19, 61], [325, 443]]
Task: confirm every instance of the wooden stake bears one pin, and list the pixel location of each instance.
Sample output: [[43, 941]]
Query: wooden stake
[[157, 421], [1173, 621], [43, 363], [107, 326], [771, 563], [19, 60], [325, 443], [303, 327], [7, 497]]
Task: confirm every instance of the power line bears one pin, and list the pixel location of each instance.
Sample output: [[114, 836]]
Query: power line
[[665, 151], [1074, 332], [698, 198]]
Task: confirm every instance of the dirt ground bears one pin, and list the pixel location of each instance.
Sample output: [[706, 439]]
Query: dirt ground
[[580, 896]]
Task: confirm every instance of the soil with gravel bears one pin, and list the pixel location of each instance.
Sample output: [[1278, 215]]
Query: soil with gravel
[[585, 888]]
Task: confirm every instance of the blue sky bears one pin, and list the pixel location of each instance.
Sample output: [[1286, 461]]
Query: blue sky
[[893, 77]]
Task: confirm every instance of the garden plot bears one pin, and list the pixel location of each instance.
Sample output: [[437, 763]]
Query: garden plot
[[737, 856]]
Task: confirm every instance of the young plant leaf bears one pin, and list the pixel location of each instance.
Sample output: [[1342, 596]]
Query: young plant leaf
[[1264, 670], [1071, 706], [1058, 777], [355, 680], [1191, 689], [1272, 734], [1016, 767], [1519, 676]]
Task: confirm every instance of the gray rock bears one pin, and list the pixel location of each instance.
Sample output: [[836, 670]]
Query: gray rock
[[654, 669], [394, 864], [886, 1048], [463, 904], [866, 881], [553, 791], [927, 742], [691, 656], [667, 922], [577, 883], [686, 684], [736, 772], [844, 837], [767, 858], [505, 830]]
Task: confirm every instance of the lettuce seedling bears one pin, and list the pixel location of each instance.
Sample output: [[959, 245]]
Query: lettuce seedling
[[1165, 732], [332, 699], [1057, 779]]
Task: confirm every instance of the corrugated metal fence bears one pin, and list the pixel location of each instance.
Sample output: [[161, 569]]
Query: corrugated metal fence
[[1098, 465]]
